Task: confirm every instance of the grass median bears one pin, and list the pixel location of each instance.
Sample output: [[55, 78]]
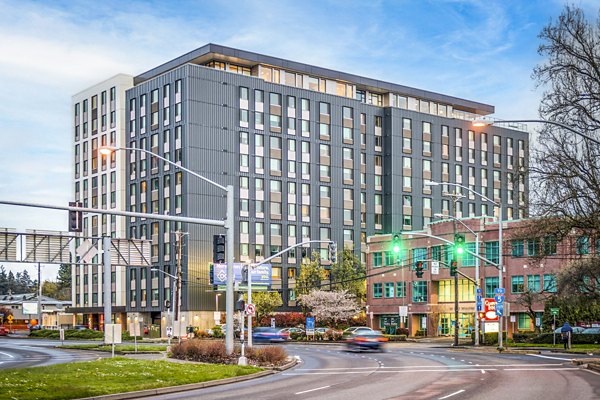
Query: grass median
[[119, 348], [107, 376]]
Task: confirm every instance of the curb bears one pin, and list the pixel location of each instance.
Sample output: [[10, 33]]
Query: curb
[[191, 386]]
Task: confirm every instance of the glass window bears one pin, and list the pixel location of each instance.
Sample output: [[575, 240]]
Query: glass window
[[388, 291], [583, 245], [419, 291], [517, 284], [518, 248], [549, 283], [377, 259], [492, 252], [400, 289], [377, 290], [491, 284], [533, 283]]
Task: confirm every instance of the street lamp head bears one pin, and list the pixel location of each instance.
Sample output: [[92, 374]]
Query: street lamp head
[[441, 216], [106, 150], [432, 183]]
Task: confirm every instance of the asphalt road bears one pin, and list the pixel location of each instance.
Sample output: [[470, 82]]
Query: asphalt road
[[407, 371], [22, 353]]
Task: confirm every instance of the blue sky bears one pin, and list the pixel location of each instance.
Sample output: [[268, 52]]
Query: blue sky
[[478, 50]]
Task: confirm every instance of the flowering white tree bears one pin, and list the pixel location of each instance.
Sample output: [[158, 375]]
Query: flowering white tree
[[337, 306]]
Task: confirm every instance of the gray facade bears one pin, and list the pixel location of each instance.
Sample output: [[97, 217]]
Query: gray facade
[[340, 169]]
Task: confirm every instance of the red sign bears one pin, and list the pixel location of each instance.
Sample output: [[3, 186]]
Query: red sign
[[489, 310]]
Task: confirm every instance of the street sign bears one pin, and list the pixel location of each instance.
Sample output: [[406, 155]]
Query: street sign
[[499, 299], [489, 309], [499, 309], [272, 322], [435, 269], [554, 311], [499, 290], [403, 311], [10, 319], [479, 291], [310, 326], [250, 309]]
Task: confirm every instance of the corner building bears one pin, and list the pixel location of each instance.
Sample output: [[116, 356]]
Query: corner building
[[312, 154]]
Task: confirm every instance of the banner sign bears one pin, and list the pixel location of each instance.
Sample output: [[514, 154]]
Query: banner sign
[[261, 275]]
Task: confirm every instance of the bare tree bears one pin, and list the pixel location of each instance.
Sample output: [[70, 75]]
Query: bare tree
[[528, 299], [565, 168]]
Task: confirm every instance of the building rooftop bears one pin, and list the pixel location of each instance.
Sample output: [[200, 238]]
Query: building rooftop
[[249, 59]]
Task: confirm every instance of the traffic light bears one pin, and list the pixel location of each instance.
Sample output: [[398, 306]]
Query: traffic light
[[333, 252], [396, 244], [219, 249], [75, 218], [453, 267], [459, 243], [244, 274], [419, 269]]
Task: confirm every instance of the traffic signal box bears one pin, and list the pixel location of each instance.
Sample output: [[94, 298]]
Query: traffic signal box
[[333, 252], [396, 244], [75, 218], [453, 267], [459, 244], [219, 249], [419, 269]]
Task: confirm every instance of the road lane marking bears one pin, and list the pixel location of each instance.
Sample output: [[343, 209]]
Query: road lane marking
[[452, 394], [552, 358], [487, 366], [541, 369], [312, 390], [385, 372], [6, 354]]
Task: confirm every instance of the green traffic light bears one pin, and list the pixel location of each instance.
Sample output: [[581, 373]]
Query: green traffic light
[[396, 249], [460, 250]]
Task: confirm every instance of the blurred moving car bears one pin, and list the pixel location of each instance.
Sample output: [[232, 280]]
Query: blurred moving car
[[322, 330], [366, 340], [292, 330], [576, 329], [349, 332], [590, 331], [267, 334], [4, 331], [35, 328]]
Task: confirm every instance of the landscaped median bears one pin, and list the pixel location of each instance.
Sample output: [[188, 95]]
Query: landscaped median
[[108, 376]]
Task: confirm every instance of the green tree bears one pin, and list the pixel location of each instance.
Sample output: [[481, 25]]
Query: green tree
[[64, 275], [265, 302], [311, 274], [50, 289], [349, 275]]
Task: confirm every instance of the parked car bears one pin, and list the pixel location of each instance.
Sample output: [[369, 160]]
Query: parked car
[[591, 331], [363, 339], [267, 334], [4, 331], [35, 328], [576, 329], [322, 330], [80, 327]]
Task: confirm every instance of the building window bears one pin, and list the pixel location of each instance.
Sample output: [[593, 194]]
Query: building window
[[517, 284], [492, 252], [377, 259], [491, 284], [400, 289], [583, 245], [518, 248], [419, 291], [533, 283], [388, 290], [377, 290], [549, 283]]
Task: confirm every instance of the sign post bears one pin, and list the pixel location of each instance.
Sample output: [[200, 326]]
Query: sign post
[[310, 326], [554, 312]]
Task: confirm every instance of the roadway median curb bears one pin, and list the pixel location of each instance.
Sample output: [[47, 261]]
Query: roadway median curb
[[192, 386]]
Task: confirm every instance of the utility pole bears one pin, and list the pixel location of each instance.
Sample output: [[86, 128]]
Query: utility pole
[[39, 296], [179, 236], [455, 198]]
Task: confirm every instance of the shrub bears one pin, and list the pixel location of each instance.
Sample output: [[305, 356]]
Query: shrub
[[201, 351], [402, 331], [298, 335], [396, 338], [217, 332], [83, 334], [268, 356], [420, 332], [333, 335]]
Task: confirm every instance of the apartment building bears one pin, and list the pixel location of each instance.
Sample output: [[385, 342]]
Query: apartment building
[[312, 154], [430, 299], [99, 181]]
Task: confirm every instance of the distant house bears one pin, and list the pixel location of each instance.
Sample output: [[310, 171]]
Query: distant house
[[24, 309]]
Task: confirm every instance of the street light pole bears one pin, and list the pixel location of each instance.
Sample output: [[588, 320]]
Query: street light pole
[[477, 262], [229, 225], [176, 279], [500, 241]]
